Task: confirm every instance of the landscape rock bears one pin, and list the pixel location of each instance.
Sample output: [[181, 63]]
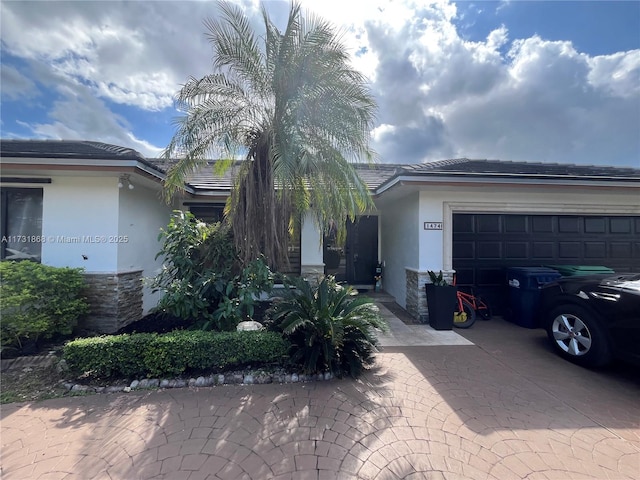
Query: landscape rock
[[249, 326]]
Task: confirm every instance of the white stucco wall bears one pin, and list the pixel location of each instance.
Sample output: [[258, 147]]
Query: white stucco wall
[[310, 242], [399, 237], [141, 215], [79, 217], [116, 229]]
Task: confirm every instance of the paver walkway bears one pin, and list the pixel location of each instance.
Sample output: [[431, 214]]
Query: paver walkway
[[402, 335], [503, 408]]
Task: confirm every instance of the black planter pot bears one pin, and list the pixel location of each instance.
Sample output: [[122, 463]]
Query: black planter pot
[[441, 302]]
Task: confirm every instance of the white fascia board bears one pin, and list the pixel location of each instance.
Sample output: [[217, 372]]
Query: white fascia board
[[505, 179]]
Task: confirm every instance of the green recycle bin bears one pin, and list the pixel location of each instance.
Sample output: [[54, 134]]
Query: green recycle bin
[[574, 270]]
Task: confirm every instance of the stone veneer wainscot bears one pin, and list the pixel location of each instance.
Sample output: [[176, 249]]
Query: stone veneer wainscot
[[115, 300], [416, 299]]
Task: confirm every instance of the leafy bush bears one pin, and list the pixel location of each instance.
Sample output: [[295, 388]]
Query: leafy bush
[[152, 355], [38, 302], [198, 260], [201, 279], [240, 296], [329, 327]]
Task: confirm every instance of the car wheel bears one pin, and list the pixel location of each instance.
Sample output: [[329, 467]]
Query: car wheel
[[576, 335]]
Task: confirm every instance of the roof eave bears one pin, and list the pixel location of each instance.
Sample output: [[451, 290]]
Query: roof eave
[[82, 164], [505, 179]]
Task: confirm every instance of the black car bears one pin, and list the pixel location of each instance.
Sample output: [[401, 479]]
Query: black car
[[592, 319]]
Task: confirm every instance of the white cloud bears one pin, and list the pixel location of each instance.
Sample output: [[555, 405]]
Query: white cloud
[[15, 85], [79, 115], [618, 74], [548, 108], [439, 94], [128, 53]]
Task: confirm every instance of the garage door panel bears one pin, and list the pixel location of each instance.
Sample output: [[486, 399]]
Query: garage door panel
[[516, 224], [485, 245], [621, 225], [489, 250], [465, 249], [516, 250], [595, 249], [569, 225], [620, 249], [543, 250], [542, 224], [463, 223], [569, 250], [466, 276], [595, 225], [490, 276], [488, 224]]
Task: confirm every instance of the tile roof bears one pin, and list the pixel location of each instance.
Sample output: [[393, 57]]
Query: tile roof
[[375, 176], [70, 149], [465, 166], [204, 178]]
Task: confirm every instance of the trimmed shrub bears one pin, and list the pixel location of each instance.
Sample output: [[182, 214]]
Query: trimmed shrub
[[38, 302], [153, 355], [329, 326]]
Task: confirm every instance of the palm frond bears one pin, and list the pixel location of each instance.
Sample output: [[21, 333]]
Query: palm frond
[[291, 102]]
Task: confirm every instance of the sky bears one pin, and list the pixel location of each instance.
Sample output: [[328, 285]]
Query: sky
[[538, 81]]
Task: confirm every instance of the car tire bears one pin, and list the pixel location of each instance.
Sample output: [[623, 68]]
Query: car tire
[[576, 335]]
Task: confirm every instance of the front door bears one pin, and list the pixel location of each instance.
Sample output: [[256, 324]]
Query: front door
[[354, 263], [361, 250]]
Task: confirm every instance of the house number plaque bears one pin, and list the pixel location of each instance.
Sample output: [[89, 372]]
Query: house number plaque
[[433, 225]]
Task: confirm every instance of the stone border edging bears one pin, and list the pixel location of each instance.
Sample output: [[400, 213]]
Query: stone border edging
[[232, 378]]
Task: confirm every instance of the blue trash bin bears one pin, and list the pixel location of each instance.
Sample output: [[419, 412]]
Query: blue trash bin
[[524, 293]]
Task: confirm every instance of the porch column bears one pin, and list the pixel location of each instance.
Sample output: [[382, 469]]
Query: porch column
[[311, 255], [416, 296]]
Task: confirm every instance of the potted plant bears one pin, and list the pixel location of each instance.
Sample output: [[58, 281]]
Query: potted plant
[[441, 301]]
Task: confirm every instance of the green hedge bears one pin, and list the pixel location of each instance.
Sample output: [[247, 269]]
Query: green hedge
[[153, 355], [38, 301]]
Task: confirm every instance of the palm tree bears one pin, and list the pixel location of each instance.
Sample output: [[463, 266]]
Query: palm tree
[[291, 105]]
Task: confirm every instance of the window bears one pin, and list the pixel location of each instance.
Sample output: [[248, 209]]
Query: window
[[21, 223], [207, 212]]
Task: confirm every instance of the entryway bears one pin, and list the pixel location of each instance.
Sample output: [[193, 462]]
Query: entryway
[[355, 261]]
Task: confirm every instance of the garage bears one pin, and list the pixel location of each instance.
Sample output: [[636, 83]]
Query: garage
[[484, 245]]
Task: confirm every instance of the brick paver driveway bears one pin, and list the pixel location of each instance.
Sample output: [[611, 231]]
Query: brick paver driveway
[[504, 408]]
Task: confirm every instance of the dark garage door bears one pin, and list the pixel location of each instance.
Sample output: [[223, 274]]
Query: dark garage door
[[484, 245]]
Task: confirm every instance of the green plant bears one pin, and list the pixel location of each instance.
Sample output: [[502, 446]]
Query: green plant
[[153, 355], [329, 327], [240, 295], [38, 301], [199, 260], [200, 278], [437, 280]]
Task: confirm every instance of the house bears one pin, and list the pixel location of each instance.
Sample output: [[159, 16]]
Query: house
[[99, 206], [89, 205]]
